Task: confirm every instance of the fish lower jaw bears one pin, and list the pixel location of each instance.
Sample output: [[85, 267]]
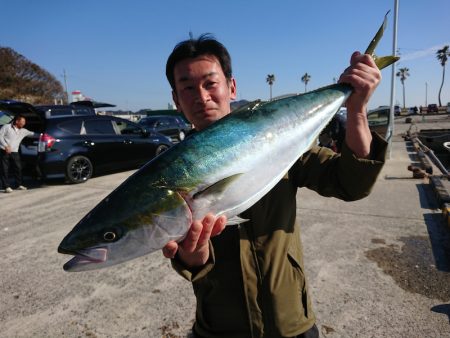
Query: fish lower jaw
[[81, 261]]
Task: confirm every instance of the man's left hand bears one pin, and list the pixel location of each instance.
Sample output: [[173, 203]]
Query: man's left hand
[[364, 76]]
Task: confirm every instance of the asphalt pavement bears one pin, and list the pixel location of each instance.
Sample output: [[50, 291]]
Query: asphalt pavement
[[378, 267]]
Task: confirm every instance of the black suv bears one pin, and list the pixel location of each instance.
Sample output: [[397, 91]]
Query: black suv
[[9, 108], [76, 147], [172, 126], [72, 109]]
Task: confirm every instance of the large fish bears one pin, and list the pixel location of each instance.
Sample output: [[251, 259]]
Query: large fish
[[224, 169]]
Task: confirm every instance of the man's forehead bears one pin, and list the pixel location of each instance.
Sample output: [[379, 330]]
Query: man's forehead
[[202, 66]]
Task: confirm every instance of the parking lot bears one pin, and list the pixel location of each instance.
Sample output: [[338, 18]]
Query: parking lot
[[373, 265], [38, 299]]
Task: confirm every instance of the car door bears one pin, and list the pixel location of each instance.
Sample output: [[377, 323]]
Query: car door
[[138, 145], [105, 148]]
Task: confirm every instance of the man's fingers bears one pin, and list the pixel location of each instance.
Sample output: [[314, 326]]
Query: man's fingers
[[198, 236], [208, 223], [354, 58], [219, 225], [170, 249]]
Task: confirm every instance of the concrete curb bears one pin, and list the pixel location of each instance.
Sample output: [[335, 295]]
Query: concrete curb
[[443, 197], [440, 191]]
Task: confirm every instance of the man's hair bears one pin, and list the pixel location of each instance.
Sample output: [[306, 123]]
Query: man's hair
[[17, 118], [206, 44]]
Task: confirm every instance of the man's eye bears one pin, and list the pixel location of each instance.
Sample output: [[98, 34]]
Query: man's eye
[[211, 84]]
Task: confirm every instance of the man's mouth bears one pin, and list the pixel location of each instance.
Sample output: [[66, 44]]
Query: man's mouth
[[206, 111]]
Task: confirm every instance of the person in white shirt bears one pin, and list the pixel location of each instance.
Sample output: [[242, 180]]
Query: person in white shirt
[[11, 135]]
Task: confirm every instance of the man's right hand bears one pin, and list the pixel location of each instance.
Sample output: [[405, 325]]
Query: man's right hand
[[193, 251], [8, 149]]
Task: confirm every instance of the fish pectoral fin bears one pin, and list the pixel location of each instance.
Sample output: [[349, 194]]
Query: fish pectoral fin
[[236, 220], [217, 188], [382, 61]]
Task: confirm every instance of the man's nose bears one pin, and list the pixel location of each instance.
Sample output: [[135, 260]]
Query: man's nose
[[203, 95]]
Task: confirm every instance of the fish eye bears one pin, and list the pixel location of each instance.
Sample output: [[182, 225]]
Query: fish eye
[[109, 236]]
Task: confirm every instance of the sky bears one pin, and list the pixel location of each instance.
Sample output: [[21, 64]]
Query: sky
[[115, 50]]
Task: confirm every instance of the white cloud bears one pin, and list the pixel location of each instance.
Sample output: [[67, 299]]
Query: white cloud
[[422, 53]]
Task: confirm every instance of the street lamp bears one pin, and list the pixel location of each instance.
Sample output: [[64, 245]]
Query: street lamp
[[394, 52]]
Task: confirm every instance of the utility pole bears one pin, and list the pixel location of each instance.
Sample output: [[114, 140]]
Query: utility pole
[[394, 52], [426, 94], [65, 85]]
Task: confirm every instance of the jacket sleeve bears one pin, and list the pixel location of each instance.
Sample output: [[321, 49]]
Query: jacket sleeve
[[28, 132], [193, 274], [343, 176]]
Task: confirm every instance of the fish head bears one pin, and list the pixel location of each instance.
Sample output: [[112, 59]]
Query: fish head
[[122, 227]]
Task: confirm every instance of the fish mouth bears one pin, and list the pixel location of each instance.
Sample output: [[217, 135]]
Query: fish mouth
[[83, 258]]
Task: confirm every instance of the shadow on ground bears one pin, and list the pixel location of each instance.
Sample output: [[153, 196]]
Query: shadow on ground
[[420, 264]]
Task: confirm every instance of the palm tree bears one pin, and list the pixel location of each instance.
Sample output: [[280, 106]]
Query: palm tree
[[305, 80], [270, 79], [442, 55], [403, 73]]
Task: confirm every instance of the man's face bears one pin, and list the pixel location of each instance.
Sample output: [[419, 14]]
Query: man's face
[[202, 93], [20, 123]]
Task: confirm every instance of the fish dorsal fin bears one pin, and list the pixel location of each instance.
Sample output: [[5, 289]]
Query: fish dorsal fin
[[380, 61], [216, 188]]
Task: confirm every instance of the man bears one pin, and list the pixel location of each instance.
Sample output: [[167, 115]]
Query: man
[[249, 279], [11, 135]]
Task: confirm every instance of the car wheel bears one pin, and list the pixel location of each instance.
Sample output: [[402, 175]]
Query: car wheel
[[79, 169], [161, 148], [181, 135]]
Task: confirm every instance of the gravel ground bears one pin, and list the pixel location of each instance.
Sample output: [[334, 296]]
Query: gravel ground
[[142, 298]]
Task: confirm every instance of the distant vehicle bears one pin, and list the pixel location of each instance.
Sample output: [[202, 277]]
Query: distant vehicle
[[448, 107], [378, 120], [334, 133], [432, 108], [56, 111], [10, 108], [172, 126], [397, 110], [76, 147]]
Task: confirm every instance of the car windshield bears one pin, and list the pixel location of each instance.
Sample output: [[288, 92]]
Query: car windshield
[[148, 120]]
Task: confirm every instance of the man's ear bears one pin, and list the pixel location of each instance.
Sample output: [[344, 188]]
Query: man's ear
[[233, 90], [175, 99]]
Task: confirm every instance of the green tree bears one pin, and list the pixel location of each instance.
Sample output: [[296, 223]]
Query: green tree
[[403, 73], [442, 55], [305, 79], [23, 80], [270, 79]]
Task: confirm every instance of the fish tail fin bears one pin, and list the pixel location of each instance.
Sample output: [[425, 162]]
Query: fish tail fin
[[380, 61]]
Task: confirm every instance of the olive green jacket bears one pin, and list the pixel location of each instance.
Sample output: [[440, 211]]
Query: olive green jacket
[[253, 284]]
